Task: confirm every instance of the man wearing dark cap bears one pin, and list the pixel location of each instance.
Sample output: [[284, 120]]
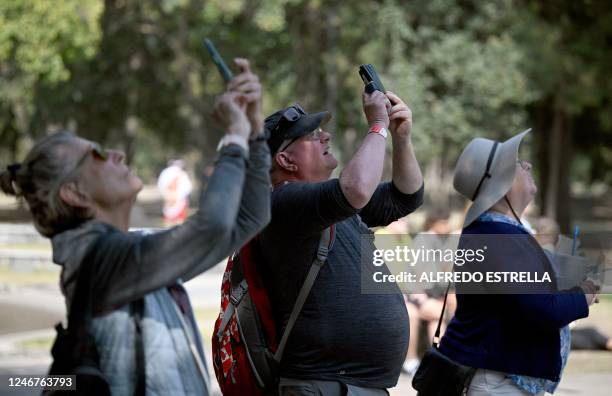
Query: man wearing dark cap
[[343, 341]]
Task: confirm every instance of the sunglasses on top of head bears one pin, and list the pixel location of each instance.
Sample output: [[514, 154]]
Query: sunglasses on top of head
[[291, 115]]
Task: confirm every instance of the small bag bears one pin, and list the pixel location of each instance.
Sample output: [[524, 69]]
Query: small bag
[[438, 375]]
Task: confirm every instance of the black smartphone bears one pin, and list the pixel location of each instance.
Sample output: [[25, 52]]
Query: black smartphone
[[370, 78], [225, 71]]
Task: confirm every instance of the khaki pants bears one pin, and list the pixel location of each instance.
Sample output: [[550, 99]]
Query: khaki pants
[[297, 387], [489, 382]]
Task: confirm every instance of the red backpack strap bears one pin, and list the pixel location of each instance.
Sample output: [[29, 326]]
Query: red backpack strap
[[238, 287]]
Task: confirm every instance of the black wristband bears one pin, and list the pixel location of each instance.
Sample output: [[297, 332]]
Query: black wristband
[[261, 137]]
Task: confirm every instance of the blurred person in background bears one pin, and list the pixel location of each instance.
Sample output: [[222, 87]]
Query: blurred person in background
[[175, 186], [80, 197], [547, 232], [590, 339]]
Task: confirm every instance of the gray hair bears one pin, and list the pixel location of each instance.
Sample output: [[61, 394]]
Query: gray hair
[[38, 180]]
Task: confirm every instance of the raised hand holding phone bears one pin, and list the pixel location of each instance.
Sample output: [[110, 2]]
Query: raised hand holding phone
[[370, 78], [400, 117], [231, 116], [248, 86], [225, 71]]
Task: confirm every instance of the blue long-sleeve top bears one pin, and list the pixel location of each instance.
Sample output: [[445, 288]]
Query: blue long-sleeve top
[[513, 333]]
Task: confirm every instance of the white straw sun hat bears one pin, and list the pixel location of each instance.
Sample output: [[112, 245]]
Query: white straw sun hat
[[485, 171]]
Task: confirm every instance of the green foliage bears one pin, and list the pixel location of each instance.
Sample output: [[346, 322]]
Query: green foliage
[[38, 40], [39, 37], [134, 73]]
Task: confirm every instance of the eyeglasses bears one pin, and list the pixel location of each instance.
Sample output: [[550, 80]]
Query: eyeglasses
[[96, 151], [524, 164], [314, 135]]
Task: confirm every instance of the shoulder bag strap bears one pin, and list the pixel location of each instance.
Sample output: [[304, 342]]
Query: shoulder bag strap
[[436, 339], [200, 364], [137, 314], [325, 245]]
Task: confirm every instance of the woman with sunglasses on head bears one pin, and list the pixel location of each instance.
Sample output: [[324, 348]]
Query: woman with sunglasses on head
[[514, 335], [81, 196]]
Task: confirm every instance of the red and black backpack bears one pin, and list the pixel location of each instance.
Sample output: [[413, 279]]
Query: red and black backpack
[[245, 344]]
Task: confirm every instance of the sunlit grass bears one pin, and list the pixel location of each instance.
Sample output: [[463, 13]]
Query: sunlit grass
[[203, 315], [37, 343], [206, 321], [28, 278], [607, 298], [44, 247]]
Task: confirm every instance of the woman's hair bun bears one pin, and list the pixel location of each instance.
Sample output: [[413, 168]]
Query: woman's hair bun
[[7, 179]]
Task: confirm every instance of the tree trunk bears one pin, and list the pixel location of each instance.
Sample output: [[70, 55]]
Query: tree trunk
[[303, 20], [554, 162], [331, 73], [564, 196], [9, 135], [557, 192]]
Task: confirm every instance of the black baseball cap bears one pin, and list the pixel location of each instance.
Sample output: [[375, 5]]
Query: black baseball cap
[[292, 122]]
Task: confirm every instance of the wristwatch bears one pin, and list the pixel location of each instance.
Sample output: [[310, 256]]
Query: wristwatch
[[233, 139], [379, 129]]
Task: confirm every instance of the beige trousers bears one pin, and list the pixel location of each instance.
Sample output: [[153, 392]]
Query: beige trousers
[[489, 382]]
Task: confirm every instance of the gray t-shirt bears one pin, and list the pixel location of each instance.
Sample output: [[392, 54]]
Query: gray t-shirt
[[341, 334]]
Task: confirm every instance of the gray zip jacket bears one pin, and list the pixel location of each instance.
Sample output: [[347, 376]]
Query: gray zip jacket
[[129, 266]]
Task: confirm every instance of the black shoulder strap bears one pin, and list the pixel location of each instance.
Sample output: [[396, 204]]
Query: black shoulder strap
[[325, 244], [436, 339], [239, 288], [137, 313]]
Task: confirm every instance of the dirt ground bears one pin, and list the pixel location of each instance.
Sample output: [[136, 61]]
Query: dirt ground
[[30, 304]]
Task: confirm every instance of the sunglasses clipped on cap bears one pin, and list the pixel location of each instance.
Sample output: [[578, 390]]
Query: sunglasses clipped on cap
[[290, 116]]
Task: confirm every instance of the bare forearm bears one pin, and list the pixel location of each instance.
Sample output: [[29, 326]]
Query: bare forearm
[[407, 175], [362, 174]]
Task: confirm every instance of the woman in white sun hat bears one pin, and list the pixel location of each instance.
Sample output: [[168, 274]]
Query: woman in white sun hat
[[518, 343]]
